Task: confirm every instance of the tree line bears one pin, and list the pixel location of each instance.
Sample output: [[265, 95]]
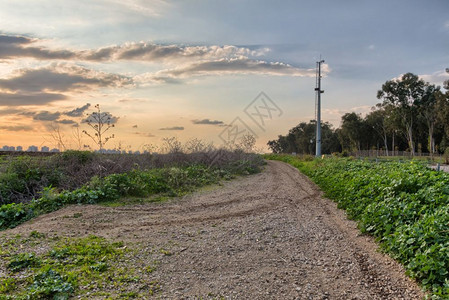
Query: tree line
[[412, 115]]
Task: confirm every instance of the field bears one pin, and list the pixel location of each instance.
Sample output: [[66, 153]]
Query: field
[[404, 205]]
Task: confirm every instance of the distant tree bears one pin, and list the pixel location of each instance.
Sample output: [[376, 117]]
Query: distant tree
[[404, 95], [279, 145], [352, 131], [428, 111], [378, 121], [100, 123], [301, 139]]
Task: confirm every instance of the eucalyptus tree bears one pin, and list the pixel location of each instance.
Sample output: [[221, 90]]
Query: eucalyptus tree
[[404, 95], [378, 119]]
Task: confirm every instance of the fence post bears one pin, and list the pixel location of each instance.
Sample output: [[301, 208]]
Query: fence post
[[438, 166]]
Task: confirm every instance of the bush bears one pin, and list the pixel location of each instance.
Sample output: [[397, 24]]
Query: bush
[[14, 214]]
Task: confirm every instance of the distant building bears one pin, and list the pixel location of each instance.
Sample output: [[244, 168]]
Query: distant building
[[54, 150], [19, 148], [45, 149], [32, 149]]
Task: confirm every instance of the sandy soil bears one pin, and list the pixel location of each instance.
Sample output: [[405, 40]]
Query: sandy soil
[[267, 236]]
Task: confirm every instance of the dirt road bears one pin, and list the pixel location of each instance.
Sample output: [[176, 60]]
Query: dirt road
[[266, 236]]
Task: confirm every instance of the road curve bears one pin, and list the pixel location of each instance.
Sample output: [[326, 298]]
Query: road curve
[[267, 236]]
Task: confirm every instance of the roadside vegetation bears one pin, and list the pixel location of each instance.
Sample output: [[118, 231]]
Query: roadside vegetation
[[404, 205], [53, 267], [62, 267], [31, 186]]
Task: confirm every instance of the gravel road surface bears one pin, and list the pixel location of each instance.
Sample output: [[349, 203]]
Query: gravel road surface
[[267, 236]]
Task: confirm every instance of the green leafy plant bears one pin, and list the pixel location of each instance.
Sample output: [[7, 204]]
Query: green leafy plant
[[23, 260], [404, 205]]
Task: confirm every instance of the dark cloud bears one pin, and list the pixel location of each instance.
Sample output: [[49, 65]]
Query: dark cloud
[[77, 112], [16, 128], [16, 46], [38, 86], [46, 116], [67, 122], [172, 128], [60, 78], [22, 99], [208, 122], [14, 39]]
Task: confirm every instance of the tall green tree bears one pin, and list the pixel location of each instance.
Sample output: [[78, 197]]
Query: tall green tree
[[352, 131], [301, 139], [379, 121], [404, 95], [428, 111]]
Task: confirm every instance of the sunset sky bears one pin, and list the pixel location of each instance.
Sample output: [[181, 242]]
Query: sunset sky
[[197, 68]]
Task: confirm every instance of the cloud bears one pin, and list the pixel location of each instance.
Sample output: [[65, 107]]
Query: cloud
[[16, 46], [44, 85], [437, 78], [22, 99], [172, 128], [61, 78], [236, 66], [16, 128], [166, 53], [46, 116], [145, 134], [67, 122], [10, 111], [77, 112], [207, 122], [134, 126], [136, 100]]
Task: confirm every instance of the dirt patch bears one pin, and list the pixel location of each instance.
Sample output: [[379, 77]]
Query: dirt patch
[[266, 236]]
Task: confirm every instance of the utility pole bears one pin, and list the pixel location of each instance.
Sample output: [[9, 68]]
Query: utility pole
[[318, 107]]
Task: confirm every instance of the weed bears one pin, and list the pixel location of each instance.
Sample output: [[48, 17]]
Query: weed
[[23, 260]]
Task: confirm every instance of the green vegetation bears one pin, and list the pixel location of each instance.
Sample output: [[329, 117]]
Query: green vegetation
[[404, 205], [90, 266], [136, 183]]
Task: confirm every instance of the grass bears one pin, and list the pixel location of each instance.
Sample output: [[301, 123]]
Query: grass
[[60, 268]]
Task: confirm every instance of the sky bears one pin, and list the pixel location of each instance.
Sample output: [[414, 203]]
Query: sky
[[212, 70]]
